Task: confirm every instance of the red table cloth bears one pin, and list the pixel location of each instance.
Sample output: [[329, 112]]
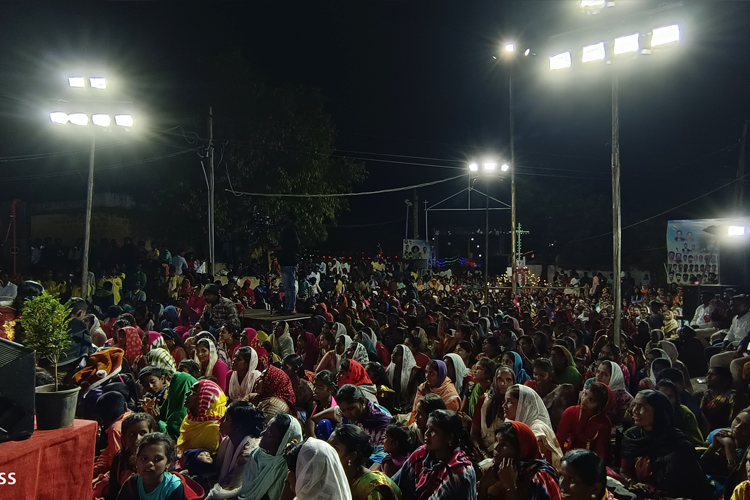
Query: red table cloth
[[51, 465]]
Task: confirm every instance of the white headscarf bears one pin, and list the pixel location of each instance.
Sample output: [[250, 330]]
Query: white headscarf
[[532, 412], [407, 364], [663, 355], [461, 371], [617, 379], [360, 355], [319, 473], [338, 329], [347, 343], [238, 390], [213, 355], [373, 337]]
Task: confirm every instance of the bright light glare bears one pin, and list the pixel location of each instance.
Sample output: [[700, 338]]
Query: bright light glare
[[97, 82], [78, 118], [510, 47], [628, 43], [665, 35], [736, 231], [490, 166], [593, 52], [58, 117], [124, 120], [101, 120], [528, 51], [473, 167], [505, 167], [76, 81], [591, 4], [560, 61]]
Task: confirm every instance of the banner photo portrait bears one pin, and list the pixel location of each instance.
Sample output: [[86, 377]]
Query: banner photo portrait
[[692, 253], [416, 250]]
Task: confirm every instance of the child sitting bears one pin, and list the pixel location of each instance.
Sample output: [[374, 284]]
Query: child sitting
[[134, 427], [154, 381], [398, 446]]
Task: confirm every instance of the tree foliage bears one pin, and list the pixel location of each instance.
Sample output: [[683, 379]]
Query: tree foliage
[[268, 140], [45, 323]]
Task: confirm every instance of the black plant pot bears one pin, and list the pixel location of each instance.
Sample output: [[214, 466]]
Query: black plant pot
[[55, 409]]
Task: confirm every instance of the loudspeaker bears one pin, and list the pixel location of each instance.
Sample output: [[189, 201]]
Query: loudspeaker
[[17, 391]]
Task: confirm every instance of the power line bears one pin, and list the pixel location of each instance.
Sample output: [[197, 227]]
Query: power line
[[344, 226], [338, 195]]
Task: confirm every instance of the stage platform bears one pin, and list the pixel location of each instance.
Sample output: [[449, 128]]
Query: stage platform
[[264, 315]]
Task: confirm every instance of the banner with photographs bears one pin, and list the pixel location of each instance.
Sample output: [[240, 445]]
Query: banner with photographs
[[692, 253], [416, 250]]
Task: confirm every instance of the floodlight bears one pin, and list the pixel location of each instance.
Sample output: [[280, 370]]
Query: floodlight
[[101, 120], [593, 4], [473, 167], [490, 166], [528, 51], [76, 81], [510, 47], [736, 231], [124, 120], [665, 35], [560, 61], [593, 52], [58, 117], [627, 43], [78, 118], [505, 167], [98, 82]]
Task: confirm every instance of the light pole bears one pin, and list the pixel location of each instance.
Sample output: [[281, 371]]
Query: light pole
[[102, 114], [406, 230], [629, 45], [489, 167], [510, 52]]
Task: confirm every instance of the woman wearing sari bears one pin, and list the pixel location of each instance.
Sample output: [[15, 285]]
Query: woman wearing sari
[[399, 374], [309, 349], [207, 358], [358, 353], [251, 338], [352, 372], [315, 472], [610, 374], [586, 425], [172, 411], [458, 374], [281, 340], [565, 368], [245, 373], [518, 470], [205, 404], [523, 404], [274, 383], [354, 450], [489, 414], [130, 341], [513, 360], [437, 383]]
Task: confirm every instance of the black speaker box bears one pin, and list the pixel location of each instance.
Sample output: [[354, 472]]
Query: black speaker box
[[17, 391]]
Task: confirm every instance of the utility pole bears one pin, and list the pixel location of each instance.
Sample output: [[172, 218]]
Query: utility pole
[[415, 217], [514, 265], [211, 205], [616, 219], [741, 171], [487, 243], [426, 231], [89, 208]]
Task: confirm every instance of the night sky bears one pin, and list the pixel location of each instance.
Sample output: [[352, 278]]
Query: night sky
[[405, 79]]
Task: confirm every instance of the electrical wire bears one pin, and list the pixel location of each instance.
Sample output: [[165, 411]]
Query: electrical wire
[[338, 195], [345, 226], [665, 211]]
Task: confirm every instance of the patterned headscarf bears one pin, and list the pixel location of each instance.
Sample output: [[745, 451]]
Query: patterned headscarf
[[360, 354], [357, 375], [276, 383], [252, 341], [132, 343], [212, 403]]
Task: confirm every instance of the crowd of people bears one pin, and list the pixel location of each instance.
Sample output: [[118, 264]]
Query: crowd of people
[[399, 386]]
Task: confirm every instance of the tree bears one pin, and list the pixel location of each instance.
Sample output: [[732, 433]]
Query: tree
[[268, 140]]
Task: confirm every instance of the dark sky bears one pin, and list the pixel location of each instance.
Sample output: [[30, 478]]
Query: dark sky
[[405, 79]]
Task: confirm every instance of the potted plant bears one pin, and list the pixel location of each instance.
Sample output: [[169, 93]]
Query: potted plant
[[45, 322]]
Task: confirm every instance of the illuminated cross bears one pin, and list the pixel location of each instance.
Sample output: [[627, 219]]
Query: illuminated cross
[[519, 232]]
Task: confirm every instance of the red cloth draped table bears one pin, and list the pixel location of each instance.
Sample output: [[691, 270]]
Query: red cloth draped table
[[51, 465]]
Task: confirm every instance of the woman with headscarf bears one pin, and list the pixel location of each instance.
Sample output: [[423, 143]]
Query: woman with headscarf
[[130, 341], [275, 383], [399, 373], [170, 318], [683, 417], [565, 367], [315, 472], [489, 413], [266, 470], [458, 374], [250, 338], [172, 411], [309, 349], [673, 353], [610, 374], [513, 360], [523, 404], [352, 372], [208, 359], [586, 425], [437, 382], [205, 404], [358, 353], [657, 360], [98, 337], [281, 340], [245, 374], [530, 477], [657, 458]]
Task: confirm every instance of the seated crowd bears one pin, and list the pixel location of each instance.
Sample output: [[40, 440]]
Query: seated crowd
[[415, 392]]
